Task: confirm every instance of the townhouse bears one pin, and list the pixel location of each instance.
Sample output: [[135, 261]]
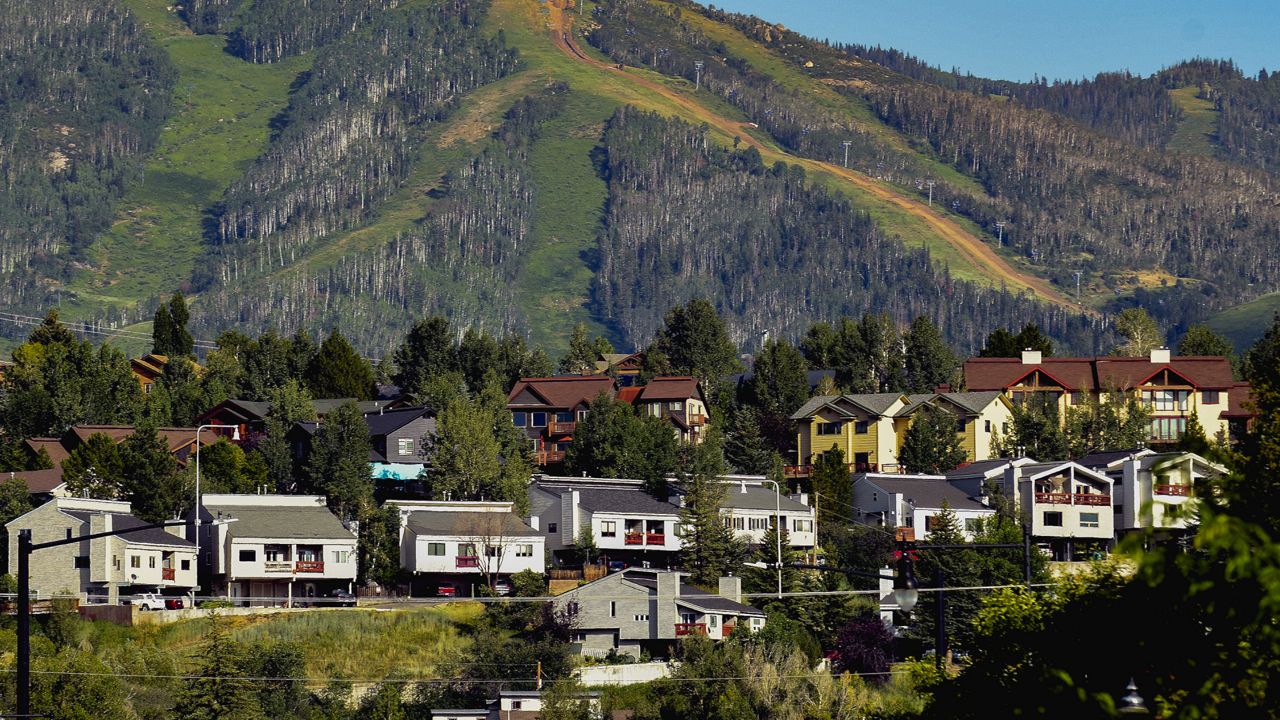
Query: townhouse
[[1067, 507], [749, 508], [466, 544], [646, 610], [980, 416], [1171, 387], [274, 549], [103, 569], [181, 442], [677, 399], [548, 409], [912, 503], [1153, 491]]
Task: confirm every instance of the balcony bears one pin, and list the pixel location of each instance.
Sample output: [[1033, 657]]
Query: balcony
[[726, 630], [802, 471], [556, 427], [277, 566], [655, 539], [1178, 490], [1057, 498], [467, 561], [683, 629], [167, 574], [697, 419], [548, 457], [1053, 498], [1091, 499], [310, 566], [633, 539]]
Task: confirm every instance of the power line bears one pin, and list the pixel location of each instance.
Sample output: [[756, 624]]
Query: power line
[[87, 328]]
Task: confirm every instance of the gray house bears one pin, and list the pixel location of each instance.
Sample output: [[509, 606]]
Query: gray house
[[399, 439], [642, 609]]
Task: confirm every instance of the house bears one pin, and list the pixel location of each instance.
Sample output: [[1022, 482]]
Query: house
[[101, 570], [1067, 506], [398, 440], [1172, 387], [626, 367], [43, 485], [677, 399], [1153, 491], [148, 369], [913, 501], [549, 408], [749, 508], [981, 478], [474, 543], [250, 416], [180, 441], [980, 417], [862, 426], [275, 549], [645, 610]]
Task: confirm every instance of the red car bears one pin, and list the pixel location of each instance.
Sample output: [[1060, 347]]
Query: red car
[[447, 589]]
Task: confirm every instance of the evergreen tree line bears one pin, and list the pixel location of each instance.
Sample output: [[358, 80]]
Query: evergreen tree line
[[267, 31]]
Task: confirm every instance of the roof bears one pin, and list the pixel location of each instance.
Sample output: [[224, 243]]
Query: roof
[[628, 395], [760, 498], [53, 446], [670, 388], [565, 391], [874, 403], [153, 536], [623, 500], [294, 522], [175, 438], [924, 492], [39, 482], [970, 402], [691, 595], [387, 421], [448, 522], [1099, 372], [1044, 468], [1106, 458], [982, 467], [1240, 402]]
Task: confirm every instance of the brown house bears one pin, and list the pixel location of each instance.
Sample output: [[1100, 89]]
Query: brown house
[[180, 441], [678, 399], [548, 409]]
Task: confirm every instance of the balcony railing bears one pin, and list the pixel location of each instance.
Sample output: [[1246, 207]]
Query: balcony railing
[[1180, 490], [310, 566], [683, 629], [547, 457], [167, 574], [468, 561], [277, 566], [698, 419], [556, 426], [727, 630], [798, 471], [1054, 498], [1091, 499], [633, 539], [655, 539]]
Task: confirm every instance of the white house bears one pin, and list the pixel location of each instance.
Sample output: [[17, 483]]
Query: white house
[[913, 501], [1066, 505], [1153, 491], [468, 541], [749, 507], [154, 560], [276, 549]]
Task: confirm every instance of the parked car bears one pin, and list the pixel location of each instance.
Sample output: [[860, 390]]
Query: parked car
[[447, 589], [502, 587], [152, 601], [618, 566], [342, 598]]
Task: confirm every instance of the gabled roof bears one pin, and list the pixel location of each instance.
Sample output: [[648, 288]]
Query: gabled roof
[[175, 438], [629, 395], [449, 522], [968, 403], [1036, 470], [388, 421], [760, 498], [39, 482], [153, 536], [877, 404], [689, 595], [280, 521], [984, 468], [53, 446], [675, 387], [1240, 402], [622, 500], [1097, 373], [926, 492], [1109, 458], [565, 391]]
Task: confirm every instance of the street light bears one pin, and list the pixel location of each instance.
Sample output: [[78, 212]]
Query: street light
[[235, 435], [1132, 703], [905, 589], [777, 522]]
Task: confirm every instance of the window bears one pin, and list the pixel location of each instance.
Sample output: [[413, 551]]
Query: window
[[613, 608], [1077, 398], [466, 550], [151, 562], [829, 428], [551, 528], [641, 618], [564, 417], [404, 446], [539, 420], [517, 704], [344, 556], [1089, 519], [436, 549], [960, 423], [519, 419], [713, 620], [971, 525], [492, 551], [1053, 518], [1167, 428], [81, 562], [678, 530], [987, 426], [675, 406], [68, 533], [1165, 400], [929, 522], [248, 555], [739, 523], [861, 427], [115, 561], [582, 415], [524, 550], [802, 526], [758, 523], [185, 564], [1209, 397], [608, 528], [875, 497]]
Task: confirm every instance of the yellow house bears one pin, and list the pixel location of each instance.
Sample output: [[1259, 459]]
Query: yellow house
[[979, 416], [862, 426]]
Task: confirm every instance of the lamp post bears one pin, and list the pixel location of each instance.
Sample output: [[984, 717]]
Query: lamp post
[[235, 435], [777, 523]]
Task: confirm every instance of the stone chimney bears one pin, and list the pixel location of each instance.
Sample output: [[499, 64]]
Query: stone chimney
[[664, 613], [1032, 357], [731, 588], [1160, 355]]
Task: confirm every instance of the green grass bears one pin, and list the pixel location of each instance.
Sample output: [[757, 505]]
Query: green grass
[[222, 108], [1198, 130], [1244, 324]]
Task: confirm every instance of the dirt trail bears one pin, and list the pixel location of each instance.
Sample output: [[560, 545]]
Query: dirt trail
[[973, 248]]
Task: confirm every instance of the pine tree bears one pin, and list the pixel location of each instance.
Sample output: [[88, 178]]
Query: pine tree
[[338, 465], [183, 345], [832, 485], [477, 356], [51, 331], [765, 580], [277, 456], [931, 445], [1002, 343], [1193, 439], [779, 385], [95, 469], [696, 341], [581, 356], [1036, 432], [338, 371], [217, 691], [710, 548], [744, 448], [929, 360], [162, 341], [427, 351], [183, 392], [1255, 495], [819, 346], [1202, 340], [156, 490], [613, 441]]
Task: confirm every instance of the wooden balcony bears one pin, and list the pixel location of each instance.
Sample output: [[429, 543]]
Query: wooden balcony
[[697, 419], [633, 539], [1178, 490], [1052, 498], [655, 539], [548, 457], [802, 471], [310, 566], [167, 574], [683, 629], [557, 427], [1091, 499], [467, 561]]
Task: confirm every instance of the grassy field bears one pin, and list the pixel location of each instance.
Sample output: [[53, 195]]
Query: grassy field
[[222, 110], [1245, 324], [1199, 126]]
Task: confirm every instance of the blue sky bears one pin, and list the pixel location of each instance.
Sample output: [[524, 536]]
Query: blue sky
[[1012, 39]]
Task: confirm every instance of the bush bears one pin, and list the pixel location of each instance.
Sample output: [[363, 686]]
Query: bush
[[215, 604]]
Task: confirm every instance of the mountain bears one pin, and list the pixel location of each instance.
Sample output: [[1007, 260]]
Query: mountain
[[525, 166]]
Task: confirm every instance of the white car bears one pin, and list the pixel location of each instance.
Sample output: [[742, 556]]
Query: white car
[[152, 601]]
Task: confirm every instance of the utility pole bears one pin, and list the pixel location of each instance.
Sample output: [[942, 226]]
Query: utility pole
[[846, 145], [1000, 232], [697, 68], [930, 184], [1078, 273]]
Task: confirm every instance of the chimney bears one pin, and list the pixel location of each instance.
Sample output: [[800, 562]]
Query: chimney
[[1031, 357], [802, 498], [533, 522], [668, 584], [731, 588], [1160, 356]]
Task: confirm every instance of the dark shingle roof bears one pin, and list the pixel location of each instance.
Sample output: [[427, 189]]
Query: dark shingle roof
[[675, 387], [38, 481], [449, 522], [391, 420], [979, 467], [626, 500], [875, 403], [154, 536], [1100, 460], [760, 498], [693, 596], [280, 521], [925, 492]]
